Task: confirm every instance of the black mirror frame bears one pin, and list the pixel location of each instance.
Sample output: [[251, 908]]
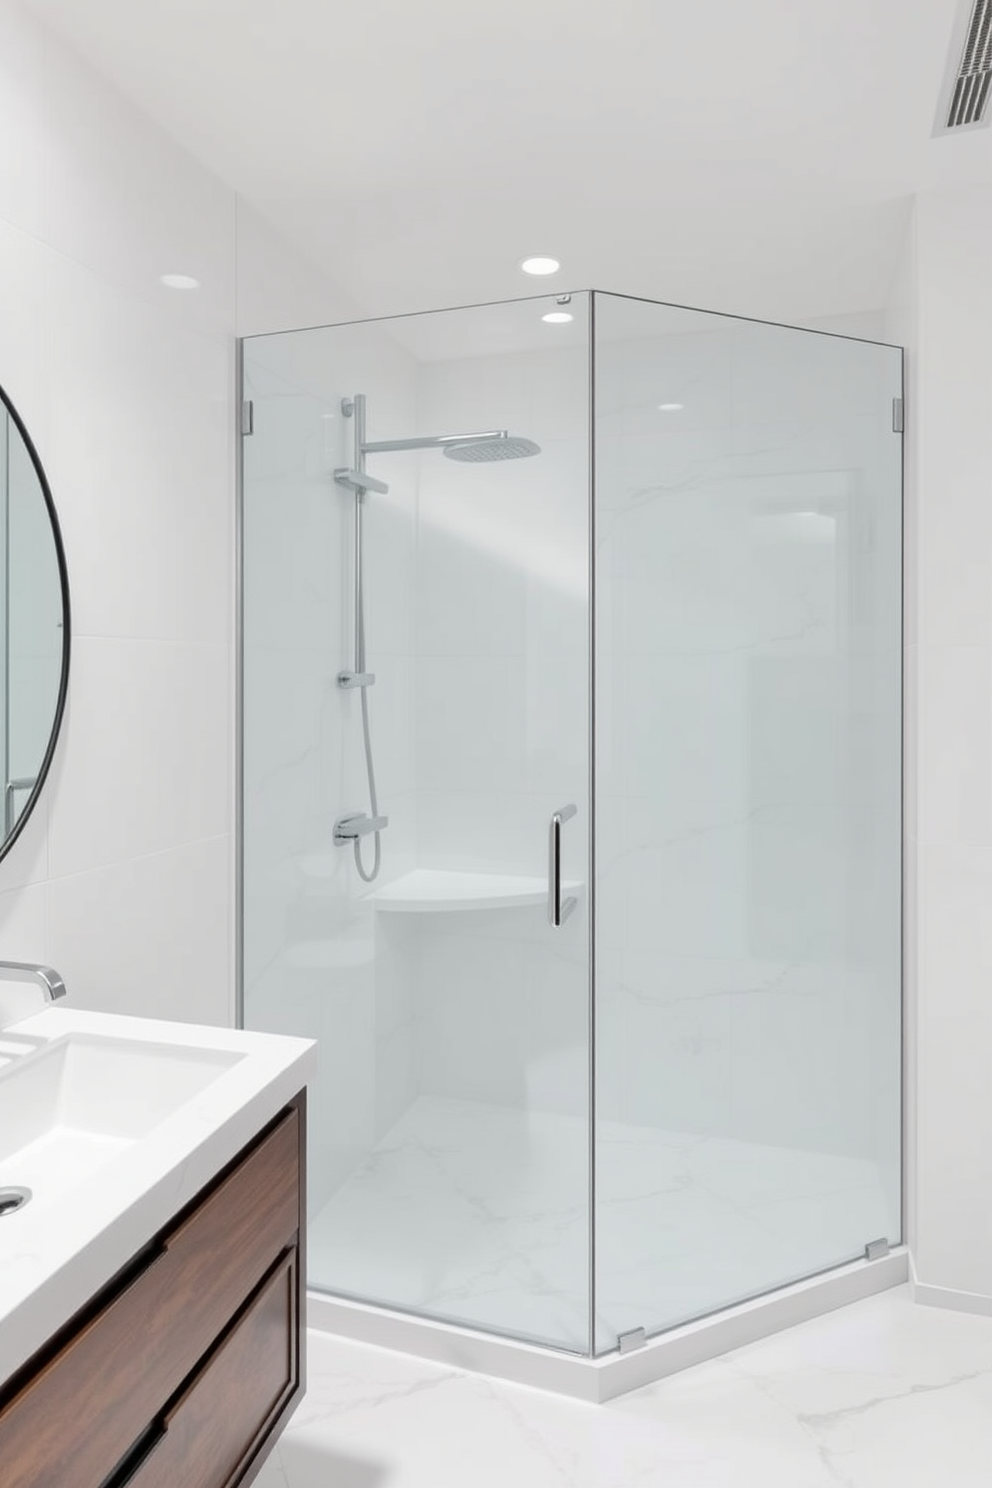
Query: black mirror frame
[[46, 491]]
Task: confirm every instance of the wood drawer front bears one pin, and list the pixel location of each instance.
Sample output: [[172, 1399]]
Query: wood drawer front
[[74, 1421], [216, 1426]]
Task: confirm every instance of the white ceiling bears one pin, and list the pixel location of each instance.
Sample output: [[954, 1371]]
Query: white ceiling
[[748, 155]]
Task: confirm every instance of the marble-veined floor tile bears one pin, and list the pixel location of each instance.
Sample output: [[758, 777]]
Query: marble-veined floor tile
[[882, 1394]]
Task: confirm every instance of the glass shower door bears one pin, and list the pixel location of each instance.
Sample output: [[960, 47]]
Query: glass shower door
[[450, 1138], [748, 664]]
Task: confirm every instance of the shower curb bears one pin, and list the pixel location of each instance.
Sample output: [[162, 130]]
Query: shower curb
[[599, 1380]]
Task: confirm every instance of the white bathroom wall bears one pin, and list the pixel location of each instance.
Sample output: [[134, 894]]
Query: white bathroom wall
[[122, 878], [949, 728]]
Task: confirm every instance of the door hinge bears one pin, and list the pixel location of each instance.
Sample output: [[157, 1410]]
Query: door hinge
[[247, 417], [636, 1338], [898, 416], [876, 1250]]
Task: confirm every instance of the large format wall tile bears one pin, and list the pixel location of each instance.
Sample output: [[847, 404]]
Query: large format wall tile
[[146, 762], [148, 935]]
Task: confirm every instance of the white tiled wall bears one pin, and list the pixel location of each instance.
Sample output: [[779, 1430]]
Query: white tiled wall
[[949, 707], [123, 877]]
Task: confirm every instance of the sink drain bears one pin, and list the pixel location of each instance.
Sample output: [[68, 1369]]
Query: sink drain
[[12, 1199]]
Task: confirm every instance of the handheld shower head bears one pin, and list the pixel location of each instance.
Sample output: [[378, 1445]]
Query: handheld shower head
[[483, 450]]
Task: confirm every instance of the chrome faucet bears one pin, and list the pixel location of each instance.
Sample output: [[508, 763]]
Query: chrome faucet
[[26, 971]]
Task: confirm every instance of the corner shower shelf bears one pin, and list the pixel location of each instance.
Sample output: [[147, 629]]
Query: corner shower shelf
[[432, 890]]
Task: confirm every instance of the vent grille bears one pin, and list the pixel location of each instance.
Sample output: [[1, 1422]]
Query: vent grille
[[974, 75]]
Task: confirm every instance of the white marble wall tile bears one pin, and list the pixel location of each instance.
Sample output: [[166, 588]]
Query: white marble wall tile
[[24, 321], [955, 763], [954, 462], [141, 469], [954, 1153], [152, 932], [22, 122], [127, 388], [132, 702]]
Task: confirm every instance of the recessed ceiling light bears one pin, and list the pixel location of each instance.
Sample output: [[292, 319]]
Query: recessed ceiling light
[[670, 407], [180, 281], [557, 317], [540, 265]]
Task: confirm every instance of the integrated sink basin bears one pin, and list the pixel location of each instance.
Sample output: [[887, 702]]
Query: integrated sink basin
[[115, 1124], [77, 1102]]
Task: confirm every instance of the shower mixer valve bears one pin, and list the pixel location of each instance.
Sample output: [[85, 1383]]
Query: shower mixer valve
[[357, 824]]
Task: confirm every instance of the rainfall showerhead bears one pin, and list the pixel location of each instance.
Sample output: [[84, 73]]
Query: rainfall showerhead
[[483, 450], [477, 448]]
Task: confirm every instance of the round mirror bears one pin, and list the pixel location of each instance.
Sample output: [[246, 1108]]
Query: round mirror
[[34, 625]]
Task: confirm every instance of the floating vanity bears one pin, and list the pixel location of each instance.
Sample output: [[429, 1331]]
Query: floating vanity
[[151, 1281]]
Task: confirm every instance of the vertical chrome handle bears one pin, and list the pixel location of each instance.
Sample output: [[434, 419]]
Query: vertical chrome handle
[[558, 911]]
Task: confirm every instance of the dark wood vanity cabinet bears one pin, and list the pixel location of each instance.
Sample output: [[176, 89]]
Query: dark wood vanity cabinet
[[182, 1372]]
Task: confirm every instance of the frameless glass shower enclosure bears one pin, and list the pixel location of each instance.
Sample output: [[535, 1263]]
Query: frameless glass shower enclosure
[[571, 803]]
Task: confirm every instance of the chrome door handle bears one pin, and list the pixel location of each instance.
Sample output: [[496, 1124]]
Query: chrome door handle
[[558, 911]]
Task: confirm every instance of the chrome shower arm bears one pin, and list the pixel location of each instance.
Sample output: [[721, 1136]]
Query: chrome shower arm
[[432, 441]]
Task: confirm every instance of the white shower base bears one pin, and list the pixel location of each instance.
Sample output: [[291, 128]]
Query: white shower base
[[478, 1215]]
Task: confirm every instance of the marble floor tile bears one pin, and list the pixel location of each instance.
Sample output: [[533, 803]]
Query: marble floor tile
[[882, 1394], [479, 1214]]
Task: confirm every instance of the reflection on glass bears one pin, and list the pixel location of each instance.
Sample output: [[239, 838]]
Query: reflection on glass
[[746, 640], [748, 799], [32, 635], [450, 1129]]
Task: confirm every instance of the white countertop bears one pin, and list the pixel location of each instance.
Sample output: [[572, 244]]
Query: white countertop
[[54, 1257]]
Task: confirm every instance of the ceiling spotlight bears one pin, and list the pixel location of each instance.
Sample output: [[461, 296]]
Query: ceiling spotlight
[[670, 407], [540, 265], [557, 317], [180, 281]]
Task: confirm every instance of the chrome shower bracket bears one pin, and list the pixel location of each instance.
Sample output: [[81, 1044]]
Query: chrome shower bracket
[[357, 824], [355, 679], [357, 480]]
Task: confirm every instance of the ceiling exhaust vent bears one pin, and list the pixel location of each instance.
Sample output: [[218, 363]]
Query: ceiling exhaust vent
[[967, 87]]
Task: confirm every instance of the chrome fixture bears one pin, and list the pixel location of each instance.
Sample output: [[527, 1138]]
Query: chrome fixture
[[43, 976], [12, 1199], [634, 1338], [491, 444], [479, 448], [356, 480], [25, 783], [558, 909], [350, 828]]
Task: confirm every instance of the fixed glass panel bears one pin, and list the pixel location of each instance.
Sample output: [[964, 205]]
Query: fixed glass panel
[[449, 1124], [748, 663]]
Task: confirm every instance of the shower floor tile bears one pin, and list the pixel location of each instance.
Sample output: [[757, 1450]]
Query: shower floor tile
[[478, 1214]]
